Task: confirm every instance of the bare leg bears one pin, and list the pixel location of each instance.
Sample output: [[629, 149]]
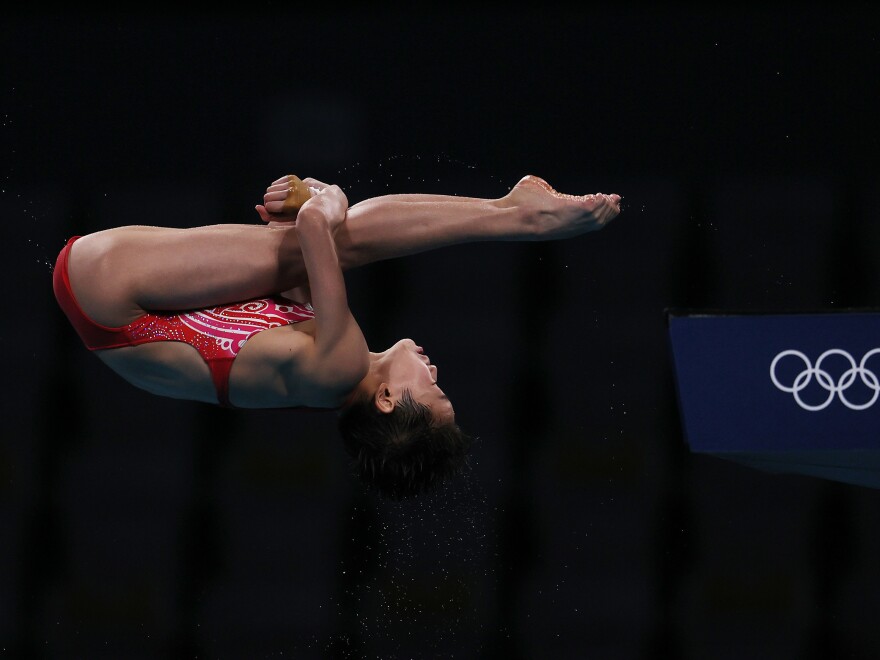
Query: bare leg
[[118, 273], [397, 225]]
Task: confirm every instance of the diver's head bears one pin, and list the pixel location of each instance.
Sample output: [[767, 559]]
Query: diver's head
[[399, 426]]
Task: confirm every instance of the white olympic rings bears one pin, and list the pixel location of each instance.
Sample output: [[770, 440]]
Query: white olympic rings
[[824, 379]]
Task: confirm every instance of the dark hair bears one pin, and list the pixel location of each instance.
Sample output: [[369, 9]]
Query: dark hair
[[402, 453]]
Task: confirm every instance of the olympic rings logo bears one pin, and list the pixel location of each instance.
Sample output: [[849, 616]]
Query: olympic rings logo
[[826, 381]]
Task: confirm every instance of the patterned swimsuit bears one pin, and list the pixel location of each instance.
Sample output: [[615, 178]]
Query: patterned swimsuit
[[217, 333]]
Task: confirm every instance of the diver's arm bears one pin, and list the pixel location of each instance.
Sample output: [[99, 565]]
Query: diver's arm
[[340, 353]]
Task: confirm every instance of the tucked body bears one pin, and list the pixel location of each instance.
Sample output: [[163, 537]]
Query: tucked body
[[254, 316]]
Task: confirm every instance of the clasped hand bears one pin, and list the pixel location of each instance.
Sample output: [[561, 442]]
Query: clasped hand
[[328, 201]]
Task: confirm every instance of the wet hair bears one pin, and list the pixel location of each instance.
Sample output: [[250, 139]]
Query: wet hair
[[402, 453]]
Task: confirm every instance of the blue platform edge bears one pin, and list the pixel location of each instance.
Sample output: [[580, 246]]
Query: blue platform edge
[[782, 392]]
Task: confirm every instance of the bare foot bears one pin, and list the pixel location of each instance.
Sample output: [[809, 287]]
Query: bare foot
[[552, 215]]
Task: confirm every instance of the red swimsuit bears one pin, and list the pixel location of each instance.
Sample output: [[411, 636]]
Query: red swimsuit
[[217, 333]]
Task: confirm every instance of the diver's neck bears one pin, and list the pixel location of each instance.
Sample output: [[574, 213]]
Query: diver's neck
[[373, 378]]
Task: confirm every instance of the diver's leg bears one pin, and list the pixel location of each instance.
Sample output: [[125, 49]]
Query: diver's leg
[[397, 225], [118, 273]]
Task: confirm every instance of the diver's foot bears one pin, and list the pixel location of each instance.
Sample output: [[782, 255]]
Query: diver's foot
[[552, 215]]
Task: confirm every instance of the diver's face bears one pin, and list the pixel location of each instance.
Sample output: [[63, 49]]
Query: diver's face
[[410, 369]]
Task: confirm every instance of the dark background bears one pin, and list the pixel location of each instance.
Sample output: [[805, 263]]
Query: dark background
[[745, 144]]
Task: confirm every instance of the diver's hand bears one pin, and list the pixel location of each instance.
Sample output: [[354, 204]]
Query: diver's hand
[[328, 201], [272, 210]]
